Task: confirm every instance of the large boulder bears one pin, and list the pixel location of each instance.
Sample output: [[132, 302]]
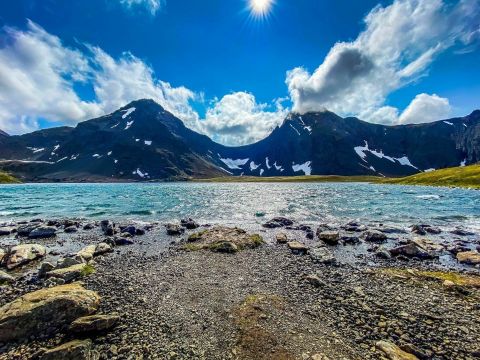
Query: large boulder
[[44, 310], [43, 232], [23, 254], [411, 250], [72, 350], [94, 323], [102, 248], [469, 257], [189, 224], [108, 227]]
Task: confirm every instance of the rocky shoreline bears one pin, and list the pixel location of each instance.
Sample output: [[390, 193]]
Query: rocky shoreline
[[79, 289]]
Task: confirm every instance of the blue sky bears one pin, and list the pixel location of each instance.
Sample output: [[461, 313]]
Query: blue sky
[[223, 70]]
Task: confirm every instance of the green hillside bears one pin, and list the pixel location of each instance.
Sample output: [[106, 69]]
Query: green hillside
[[7, 179]]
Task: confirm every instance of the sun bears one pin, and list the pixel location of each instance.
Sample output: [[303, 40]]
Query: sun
[[260, 8]]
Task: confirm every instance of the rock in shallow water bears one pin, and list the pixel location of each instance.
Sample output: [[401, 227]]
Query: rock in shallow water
[[42, 232], [278, 222], [44, 310], [374, 236]]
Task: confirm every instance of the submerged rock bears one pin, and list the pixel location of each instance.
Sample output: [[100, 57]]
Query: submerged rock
[[45, 310], [23, 254], [74, 350], [94, 323], [278, 222], [42, 232]]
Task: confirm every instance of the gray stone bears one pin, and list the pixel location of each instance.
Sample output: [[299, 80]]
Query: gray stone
[[329, 237], [42, 232], [322, 255], [23, 254], [374, 236]]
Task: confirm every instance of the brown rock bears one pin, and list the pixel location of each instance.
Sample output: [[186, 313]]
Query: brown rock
[[73, 350], [469, 257], [23, 254], [393, 352], [94, 323]]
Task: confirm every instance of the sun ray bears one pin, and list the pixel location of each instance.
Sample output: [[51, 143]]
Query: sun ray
[[260, 9]]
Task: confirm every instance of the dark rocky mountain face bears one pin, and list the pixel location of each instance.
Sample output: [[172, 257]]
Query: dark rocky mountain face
[[142, 142], [3, 133]]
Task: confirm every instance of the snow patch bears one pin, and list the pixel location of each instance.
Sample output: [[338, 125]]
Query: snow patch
[[74, 157], [98, 156], [372, 168], [114, 126], [278, 167], [36, 150], [64, 158], [295, 129], [140, 173], [128, 112], [448, 123], [429, 170], [261, 172], [267, 164], [137, 140], [234, 164], [115, 161], [148, 142], [109, 153], [305, 167], [463, 163], [465, 125], [129, 124], [406, 162], [253, 166]]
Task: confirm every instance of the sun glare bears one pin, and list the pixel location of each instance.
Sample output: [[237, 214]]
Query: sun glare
[[261, 8]]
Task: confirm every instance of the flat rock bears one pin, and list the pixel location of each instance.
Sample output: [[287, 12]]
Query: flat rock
[[73, 350], [393, 352], [23, 254], [67, 274], [224, 239], [43, 232], [71, 229], [469, 257], [121, 241], [25, 230], [297, 247], [44, 310], [67, 262], [329, 237], [94, 323], [412, 249]]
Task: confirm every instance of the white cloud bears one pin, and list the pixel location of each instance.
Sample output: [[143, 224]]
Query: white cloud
[[398, 44], [153, 6], [38, 75], [425, 108], [238, 119]]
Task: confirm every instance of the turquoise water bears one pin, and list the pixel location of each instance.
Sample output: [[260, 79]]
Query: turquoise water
[[243, 203]]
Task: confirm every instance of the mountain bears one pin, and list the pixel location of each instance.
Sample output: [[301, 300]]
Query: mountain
[[142, 142], [3, 133], [326, 144]]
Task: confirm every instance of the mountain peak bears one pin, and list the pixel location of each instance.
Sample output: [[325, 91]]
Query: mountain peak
[[141, 103], [3, 133]]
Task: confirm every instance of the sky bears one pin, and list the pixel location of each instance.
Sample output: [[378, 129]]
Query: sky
[[233, 69]]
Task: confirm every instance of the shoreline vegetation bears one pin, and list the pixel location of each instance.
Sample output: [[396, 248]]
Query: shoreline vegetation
[[8, 179]]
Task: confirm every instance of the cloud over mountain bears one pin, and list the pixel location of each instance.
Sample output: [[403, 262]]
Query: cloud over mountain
[[399, 43]]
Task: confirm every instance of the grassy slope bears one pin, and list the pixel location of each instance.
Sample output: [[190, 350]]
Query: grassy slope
[[313, 178], [468, 176], [7, 179]]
